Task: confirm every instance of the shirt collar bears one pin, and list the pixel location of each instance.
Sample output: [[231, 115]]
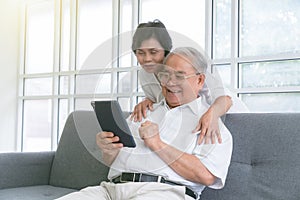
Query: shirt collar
[[193, 105]]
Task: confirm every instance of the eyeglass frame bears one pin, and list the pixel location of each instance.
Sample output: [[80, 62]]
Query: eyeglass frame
[[178, 81]]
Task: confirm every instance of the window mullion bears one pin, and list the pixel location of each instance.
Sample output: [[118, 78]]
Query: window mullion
[[115, 46], [56, 69], [234, 43], [209, 27]]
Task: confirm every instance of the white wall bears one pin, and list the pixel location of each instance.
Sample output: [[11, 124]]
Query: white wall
[[9, 55]]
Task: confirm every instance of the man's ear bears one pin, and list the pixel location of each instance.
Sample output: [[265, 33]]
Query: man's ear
[[201, 79]]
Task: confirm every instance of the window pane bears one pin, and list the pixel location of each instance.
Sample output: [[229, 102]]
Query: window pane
[[64, 82], [83, 104], [225, 74], [63, 114], [124, 103], [38, 86], [40, 37], [139, 86], [37, 125], [126, 19], [65, 37], [126, 58], [222, 37], [275, 102], [126, 34], [95, 31], [269, 27], [190, 23], [124, 82], [93, 84], [270, 74]]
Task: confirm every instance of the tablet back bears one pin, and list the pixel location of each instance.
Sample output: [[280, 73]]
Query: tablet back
[[111, 119]]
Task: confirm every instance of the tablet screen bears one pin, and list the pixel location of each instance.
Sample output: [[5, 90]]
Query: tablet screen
[[110, 118]]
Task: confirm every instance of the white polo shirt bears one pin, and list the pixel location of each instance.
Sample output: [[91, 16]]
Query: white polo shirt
[[175, 128]]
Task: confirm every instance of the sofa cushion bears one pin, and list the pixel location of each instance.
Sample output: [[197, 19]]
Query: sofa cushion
[[265, 160], [77, 160], [45, 192], [25, 169]]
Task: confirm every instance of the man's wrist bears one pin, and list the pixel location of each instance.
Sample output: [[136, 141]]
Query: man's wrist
[[157, 146]]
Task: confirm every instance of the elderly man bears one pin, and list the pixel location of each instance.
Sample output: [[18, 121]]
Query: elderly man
[[167, 162]]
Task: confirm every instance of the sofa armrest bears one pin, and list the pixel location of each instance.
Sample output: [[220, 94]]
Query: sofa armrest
[[25, 169]]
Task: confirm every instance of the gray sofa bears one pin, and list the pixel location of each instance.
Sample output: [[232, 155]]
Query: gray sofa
[[265, 161]]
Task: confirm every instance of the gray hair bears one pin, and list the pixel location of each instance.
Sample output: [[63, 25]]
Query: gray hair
[[197, 59]]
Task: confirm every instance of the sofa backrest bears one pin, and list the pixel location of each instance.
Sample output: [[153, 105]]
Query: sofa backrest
[[77, 160], [265, 160]]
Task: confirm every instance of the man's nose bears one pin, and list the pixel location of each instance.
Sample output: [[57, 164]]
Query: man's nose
[[172, 80]]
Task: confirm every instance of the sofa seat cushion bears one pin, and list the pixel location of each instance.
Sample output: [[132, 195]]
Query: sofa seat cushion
[[41, 192]]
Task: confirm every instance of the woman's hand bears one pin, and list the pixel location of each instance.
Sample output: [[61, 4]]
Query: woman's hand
[[140, 110], [209, 128], [208, 123]]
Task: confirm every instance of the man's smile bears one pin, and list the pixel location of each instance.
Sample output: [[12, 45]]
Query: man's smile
[[173, 91]]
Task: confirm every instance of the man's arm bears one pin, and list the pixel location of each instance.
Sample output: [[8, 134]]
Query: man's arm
[[186, 165]]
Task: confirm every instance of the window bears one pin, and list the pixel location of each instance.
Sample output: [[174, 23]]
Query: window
[[94, 28], [258, 60], [185, 21], [77, 51], [259, 32], [40, 37], [37, 77]]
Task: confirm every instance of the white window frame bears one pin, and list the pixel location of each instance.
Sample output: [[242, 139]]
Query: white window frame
[[233, 61]]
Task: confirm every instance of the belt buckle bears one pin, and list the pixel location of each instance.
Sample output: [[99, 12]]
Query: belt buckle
[[127, 177], [196, 195], [160, 179], [150, 178]]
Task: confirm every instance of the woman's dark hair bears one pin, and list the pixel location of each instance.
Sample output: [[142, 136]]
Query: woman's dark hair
[[156, 30]]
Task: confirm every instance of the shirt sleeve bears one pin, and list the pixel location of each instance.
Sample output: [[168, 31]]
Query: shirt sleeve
[[216, 157], [150, 86], [215, 86]]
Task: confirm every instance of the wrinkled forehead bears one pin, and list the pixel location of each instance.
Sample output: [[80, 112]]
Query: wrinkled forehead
[[178, 62], [171, 69]]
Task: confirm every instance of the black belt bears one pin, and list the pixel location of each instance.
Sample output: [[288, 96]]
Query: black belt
[[140, 177]]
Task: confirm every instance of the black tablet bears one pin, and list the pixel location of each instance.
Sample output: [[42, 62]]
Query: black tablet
[[110, 117]]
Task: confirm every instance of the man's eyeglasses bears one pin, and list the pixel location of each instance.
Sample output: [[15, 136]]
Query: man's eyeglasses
[[165, 76]]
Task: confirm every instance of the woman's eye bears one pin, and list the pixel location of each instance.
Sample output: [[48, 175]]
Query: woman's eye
[[140, 53]]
